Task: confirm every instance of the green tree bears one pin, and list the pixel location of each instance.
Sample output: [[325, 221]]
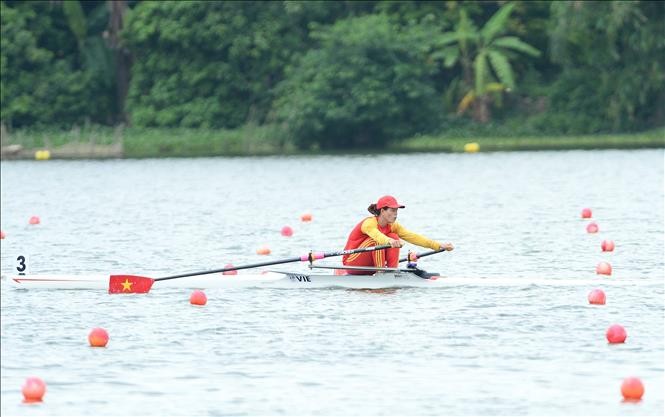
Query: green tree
[[613, 71], [97, 30], [484, 55], [96, 46], [366, 83], [208, 64], [43, 79]]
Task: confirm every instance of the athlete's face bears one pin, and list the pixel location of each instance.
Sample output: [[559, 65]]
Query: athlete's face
[[389, 215]]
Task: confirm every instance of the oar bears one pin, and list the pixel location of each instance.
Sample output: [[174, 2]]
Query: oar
[[133, 284], [422, 255], [362, 268]]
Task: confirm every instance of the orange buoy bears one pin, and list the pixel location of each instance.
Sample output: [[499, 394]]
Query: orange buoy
[[2, 234], [33, 389], [306, 217], [632, 389], [234, 272], [34, 220], [616, 334], [263, 250], [98, 337], [607, 245], [597, 296], [198, 298], [287, 231], [604, 268], [586, 213], [592, 228]]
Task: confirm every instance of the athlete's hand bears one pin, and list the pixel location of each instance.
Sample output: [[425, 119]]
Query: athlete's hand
[[446, 246], [396, 243]]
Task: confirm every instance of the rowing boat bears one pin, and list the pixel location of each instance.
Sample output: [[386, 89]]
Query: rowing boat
[[268, 279], [381, 277], [275, 279]]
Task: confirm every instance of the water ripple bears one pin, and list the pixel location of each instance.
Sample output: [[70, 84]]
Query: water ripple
[[464, 350]]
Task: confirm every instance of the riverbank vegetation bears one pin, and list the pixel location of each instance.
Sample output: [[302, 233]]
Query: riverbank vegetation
[[243, 78], [96, 142]]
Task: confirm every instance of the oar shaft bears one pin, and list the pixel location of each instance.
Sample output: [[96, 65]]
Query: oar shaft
[[310, 257], [363, 268], [235, 268], [422, 255], [350, 251]]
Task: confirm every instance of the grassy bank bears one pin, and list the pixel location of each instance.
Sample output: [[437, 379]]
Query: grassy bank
[[149, 142], [104, 142], [650, 139], [248, 140]]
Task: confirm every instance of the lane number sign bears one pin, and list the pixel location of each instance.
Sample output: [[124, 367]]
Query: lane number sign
[[22, 264]]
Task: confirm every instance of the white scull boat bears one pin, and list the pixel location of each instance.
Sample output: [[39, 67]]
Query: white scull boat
[[411, 276], [265, 280], [391, 279]]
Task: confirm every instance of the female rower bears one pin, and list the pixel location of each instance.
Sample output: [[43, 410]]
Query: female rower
[[380, 229]]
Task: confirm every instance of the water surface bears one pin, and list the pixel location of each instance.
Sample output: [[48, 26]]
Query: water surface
[[464, 350]]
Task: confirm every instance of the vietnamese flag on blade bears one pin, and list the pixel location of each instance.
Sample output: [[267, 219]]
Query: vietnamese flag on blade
[[129, 284]]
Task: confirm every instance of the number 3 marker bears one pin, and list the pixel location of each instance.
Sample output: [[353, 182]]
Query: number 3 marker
[[22, 264]]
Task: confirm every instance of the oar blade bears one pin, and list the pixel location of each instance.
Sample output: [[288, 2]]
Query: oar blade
[[129, 284]]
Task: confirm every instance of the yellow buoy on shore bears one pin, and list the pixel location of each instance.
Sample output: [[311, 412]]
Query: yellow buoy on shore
[[43, 155], [472, 147]]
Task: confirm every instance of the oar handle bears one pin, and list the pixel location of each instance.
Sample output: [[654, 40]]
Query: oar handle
[[310, 257], [422, 255]]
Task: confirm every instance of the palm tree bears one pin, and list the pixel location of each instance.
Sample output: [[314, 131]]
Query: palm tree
[[484, 55]]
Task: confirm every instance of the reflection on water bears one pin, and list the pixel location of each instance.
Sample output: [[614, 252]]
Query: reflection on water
[[374, 290]]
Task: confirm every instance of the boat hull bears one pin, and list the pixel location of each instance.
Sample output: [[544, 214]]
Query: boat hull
[[307, 280], [266, 280]]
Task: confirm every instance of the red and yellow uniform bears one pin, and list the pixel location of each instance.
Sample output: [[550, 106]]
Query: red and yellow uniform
[[369, 233]]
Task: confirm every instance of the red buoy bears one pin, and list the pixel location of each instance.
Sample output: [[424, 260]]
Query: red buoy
[[616, 334], [263, 250], [604, 268], [586, 213], [607, 245], [198, 298], [632, 389], [287, 231], [234, 272], [597, 296], [592, 228], [33, 389], [306, 217], [34, 220], [98, 337]]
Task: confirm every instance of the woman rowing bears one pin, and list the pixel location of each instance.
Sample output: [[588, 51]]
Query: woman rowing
[[381, 229]]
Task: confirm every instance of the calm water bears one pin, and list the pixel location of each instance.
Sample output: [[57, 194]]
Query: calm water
[[465, 350]]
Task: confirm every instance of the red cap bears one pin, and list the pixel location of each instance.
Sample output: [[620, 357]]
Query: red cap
[[388, 201]]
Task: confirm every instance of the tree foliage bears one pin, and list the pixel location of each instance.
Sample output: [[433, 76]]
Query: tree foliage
[[206, 64], [44, 81], [484, 54], [367, 82], [613, 75], [334, 73]]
